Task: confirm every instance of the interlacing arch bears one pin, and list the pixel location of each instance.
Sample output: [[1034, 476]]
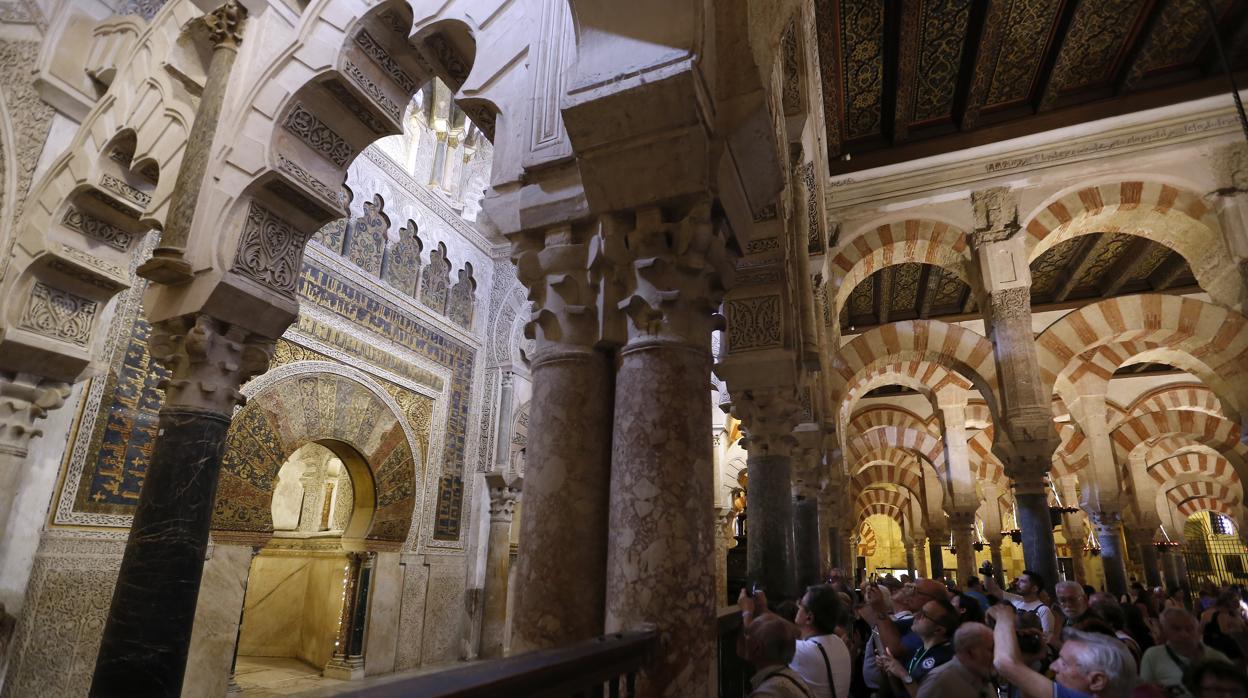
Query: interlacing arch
[[1201, 338], [924, 377], [1222, 435], [1211, 466], [985, 466], [867, 541], [1192, 497], [961, 352], [909, 241], [876, 472], [1165, 214]]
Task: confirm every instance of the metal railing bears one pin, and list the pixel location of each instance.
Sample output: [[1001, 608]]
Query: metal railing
[[603, 666]]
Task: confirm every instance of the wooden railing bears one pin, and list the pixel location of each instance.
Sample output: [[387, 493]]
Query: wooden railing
[[603, 666], [734, 673]]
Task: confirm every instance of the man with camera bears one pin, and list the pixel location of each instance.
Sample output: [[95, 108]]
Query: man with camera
[[934, 624], [1030, 584]]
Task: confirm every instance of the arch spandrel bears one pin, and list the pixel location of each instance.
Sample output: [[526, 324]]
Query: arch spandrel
[[343, 412]]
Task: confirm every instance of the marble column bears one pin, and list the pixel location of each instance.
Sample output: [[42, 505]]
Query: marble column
[[835, 547], [920, 558], [168, 264], [1168, 570], [347, 660], [1036, 525], [910, 568], [1074, 538], [563, 532], [963, 525], [660, 552], [504, 491], [1025, 437], [24, 400], [769, 417], [1108, 525], [994, 550], [502, 445], [806, 540], [1143, 537], [935, 548], [725, 540], [148, 630], [1180, 569]]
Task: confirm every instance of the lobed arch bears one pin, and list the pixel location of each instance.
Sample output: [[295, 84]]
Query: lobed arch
[[1204, 339], [333, 405], [84, 220], [964, 354], [915, 240], [1166, 214]]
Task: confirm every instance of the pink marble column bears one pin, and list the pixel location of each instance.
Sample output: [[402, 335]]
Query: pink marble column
[[504, 491], [560, 570], [660, 551]]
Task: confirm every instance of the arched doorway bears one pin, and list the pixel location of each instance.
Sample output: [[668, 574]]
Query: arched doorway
[[306, 604]]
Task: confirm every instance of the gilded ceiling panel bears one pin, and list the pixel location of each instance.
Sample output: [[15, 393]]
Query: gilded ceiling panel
[[947, 289], [940, 57], [861, 301], [905, 296], [1050, 269], [1093, 43], [1148, 262], [1028, 25], [1106, 255], [862, 51], [1177, 37]]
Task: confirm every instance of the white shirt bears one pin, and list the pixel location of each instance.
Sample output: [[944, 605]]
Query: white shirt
[[1042, 610], [809, 663]]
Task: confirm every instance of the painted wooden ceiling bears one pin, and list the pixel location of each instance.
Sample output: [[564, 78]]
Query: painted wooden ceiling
[[909, 78]]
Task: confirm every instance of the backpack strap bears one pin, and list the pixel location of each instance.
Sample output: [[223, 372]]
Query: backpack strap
[[827, 664]]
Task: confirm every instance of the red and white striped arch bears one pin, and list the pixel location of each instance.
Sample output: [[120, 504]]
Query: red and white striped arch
[[877, 416], [1166, 214], [1186, 396], [920, 443], [915, 240]]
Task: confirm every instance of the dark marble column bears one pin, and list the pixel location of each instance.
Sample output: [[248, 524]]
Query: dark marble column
[[563, 531], [994, 549], [806, 541], [910, 568], [148, 631], [1143, 538], [835, 547], [1109, 532], [768, 417], [963, 524], [1170, 571], [661, 552], [1039, 547], [936, 554]]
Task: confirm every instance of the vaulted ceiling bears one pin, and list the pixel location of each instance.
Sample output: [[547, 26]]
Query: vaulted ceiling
[[910, 78]]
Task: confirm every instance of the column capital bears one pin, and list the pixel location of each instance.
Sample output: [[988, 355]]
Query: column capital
[[24, 399], [1104, 519], [961, 519], [209, 360], [225, 25], [769, 417], [678, 267], [566, 268], [504, 493]]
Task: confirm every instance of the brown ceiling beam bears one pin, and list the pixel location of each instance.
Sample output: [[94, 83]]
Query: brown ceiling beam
[[1124, 267], [985, 33], [1132, 71], [926, 294], [907, 68], [829, 48], [1234, 38], [884, 295], [1089, 248], [1168, 272], [1046, 95]]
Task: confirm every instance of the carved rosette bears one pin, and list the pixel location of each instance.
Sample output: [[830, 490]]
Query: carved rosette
[[674, 277], [209, 360], [24, 399], [768, 417], [504, 493]]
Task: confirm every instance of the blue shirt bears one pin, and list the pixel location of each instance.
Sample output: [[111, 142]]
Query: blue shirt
[[924, 660], [1060, 691]]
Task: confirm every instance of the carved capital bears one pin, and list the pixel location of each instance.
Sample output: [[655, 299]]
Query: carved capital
[[225, 25], [24, 399], [564, 269], [209, 360], [768, 417], [1106, 520], [962, 519], [504, 493], [678, 266]]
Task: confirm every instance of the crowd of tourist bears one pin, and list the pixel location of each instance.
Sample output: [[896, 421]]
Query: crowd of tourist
[[925, 638]]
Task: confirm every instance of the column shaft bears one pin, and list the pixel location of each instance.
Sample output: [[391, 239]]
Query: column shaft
[[769, 542], [502, 445], [1109, 532], [1148, 556], [936, 552], [148, 631], [1039, 547], [563, 532], [994, 549], [660, 551], [806, 541], [910, 568], [964, 541], [503, 495]]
